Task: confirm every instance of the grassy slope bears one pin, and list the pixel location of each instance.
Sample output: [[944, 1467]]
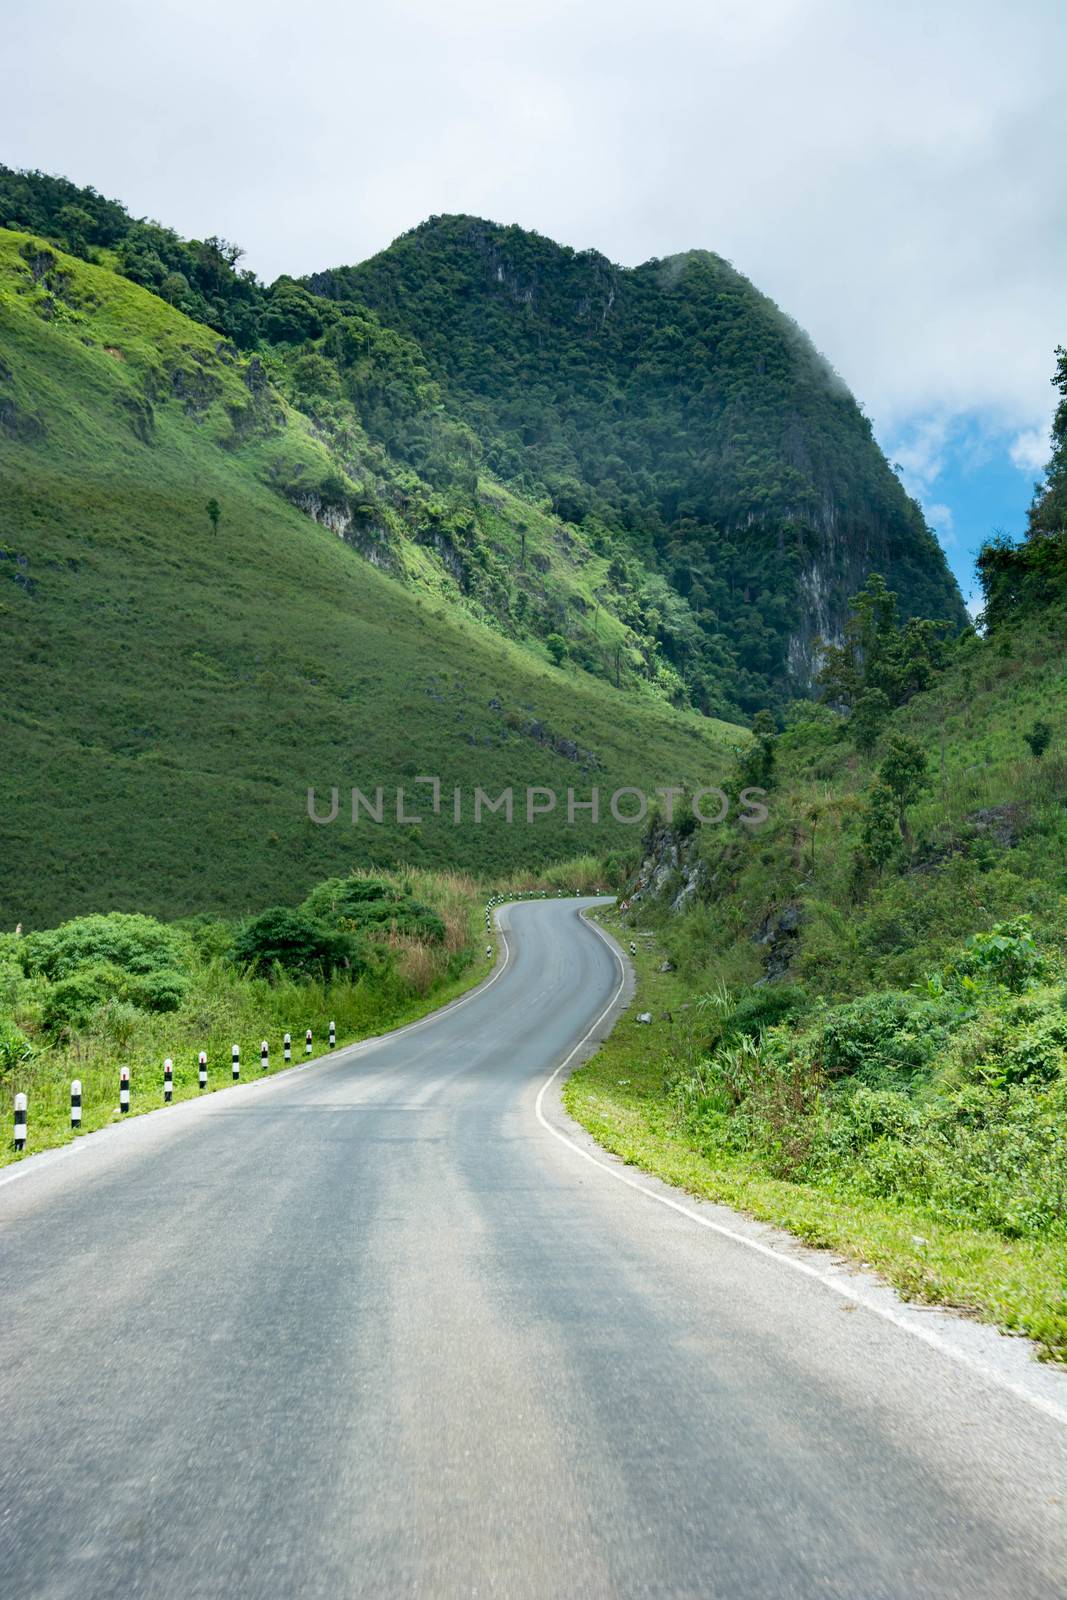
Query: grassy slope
[[170, 693], [896, 933]]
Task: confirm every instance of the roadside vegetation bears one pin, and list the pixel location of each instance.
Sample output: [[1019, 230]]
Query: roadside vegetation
[[859, 1010], [368, 952]]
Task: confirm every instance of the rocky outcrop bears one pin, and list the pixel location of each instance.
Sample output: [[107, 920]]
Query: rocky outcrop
[[670, 868], [778, 933]]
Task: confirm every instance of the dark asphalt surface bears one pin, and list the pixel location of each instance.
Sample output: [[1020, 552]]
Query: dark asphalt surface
[[371, 1329]]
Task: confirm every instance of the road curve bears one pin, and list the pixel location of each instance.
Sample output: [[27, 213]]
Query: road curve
[[371, 1329]]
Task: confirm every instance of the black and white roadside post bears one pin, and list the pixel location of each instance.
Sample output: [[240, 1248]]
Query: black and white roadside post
[[488, 951], [76, 1105], [287, 1049], [124, 1090], [168, 1081], [307, 1043], [236, 1062], [633, 948], [201, 1068], [264, 1057], [20, 1122], [333, 1034]]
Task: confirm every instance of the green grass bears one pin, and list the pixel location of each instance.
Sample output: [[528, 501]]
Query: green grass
[[225, 1006], [172, 692], [618, 1095]]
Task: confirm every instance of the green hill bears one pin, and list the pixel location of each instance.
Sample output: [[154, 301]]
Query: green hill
[[172, 687], [655, 466], [677, 407]]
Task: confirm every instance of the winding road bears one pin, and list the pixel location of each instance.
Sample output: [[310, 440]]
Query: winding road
[[390, 1325]]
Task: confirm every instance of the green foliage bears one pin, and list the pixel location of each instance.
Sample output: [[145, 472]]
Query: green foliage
[[881, 662], [1005, 954], [878, 829], [557, 648], [280, 937], [881, 1035], [15, 1047], [869, 716], [157, 991], [162, 703], [903, 772], [372, 906], [1038, 737], [214, 512], [71, 1001], [756, 764], [129, 942]]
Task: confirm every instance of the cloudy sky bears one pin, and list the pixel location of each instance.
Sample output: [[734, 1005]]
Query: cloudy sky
[[891, 172]]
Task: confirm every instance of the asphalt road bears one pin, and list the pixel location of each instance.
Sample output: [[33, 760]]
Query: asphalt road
[[373, 1328]]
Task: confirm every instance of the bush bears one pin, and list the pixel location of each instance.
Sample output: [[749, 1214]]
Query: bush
[[1006, 955], [15, 1048], [293, 941], [119, 1022], [880, 1034], [70, 1003], [356, 905], [158, 991], [132, 942], [747, 1013]]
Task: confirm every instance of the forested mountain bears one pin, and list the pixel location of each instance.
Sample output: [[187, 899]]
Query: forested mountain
[[676, 407], [185, 651], [653, 469]]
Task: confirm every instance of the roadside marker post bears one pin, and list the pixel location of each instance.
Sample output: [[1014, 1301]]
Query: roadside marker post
[[168, 1081], [264, 1057], [287, 1049], [307, 1043], [236, 1054], [333, 1034], [20, 1122], [633, 948], [124, 1090], [76, 1104], [488, 950], [201, 1068]]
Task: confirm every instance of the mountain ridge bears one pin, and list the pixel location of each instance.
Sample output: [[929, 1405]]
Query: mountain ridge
[[769, 446]]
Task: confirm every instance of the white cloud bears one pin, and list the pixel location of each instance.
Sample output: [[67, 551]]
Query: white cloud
[[1031, 449], [891, 174], [940, 519]]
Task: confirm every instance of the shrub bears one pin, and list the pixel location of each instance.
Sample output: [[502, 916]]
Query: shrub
[[134, 943], [70, 1003], [293, 941], [881, 1034], [1006, 955], [118, 1021], [368, 904], [15, 1048], [158, 991]]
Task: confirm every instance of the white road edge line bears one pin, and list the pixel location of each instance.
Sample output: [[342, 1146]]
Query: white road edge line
[[838, 1284], [41, 1159]]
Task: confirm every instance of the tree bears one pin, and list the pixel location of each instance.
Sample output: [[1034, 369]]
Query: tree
[[904, 773], [296, 943], [756, 765], [868, 718], [1039, 739], [878, 831], [556, 646], [214, 511]]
